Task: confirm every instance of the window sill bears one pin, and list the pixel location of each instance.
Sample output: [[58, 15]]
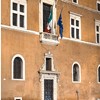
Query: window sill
[[49, 72], [76, 82], [18, 79]]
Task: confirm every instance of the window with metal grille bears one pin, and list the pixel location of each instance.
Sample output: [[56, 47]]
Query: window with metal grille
[[76, 75], [46, 13], [18, 68], [48, 89], [48, 64]]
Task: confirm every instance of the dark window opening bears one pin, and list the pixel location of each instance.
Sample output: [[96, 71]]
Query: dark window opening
[[77, 23], [75, 1], [18, 99], [98, 6], [97, 28], [72, 32], [77, 33], [48, 89], [21, 8], [21, 21], [98, 38], [15, 6], [17, 68], [72, 21], [14, 19], [75, 72], [99, 74], [46, 13], [48, 64]]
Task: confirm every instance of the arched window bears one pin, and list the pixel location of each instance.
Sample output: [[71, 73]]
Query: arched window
[[98, 76], [75, 73], [18, 67]]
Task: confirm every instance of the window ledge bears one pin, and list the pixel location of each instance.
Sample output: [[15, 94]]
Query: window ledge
[[49, 38], [18, 79], [48, 72]]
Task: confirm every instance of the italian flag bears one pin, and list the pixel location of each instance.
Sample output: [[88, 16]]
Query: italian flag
[[49, 24]]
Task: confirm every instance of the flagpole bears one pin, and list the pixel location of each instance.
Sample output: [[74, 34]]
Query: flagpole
[[62, 8]]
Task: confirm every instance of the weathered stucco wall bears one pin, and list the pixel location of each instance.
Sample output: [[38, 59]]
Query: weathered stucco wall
[[64, 55]]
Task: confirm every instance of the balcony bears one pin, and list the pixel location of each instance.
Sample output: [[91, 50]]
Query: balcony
[[49, 38]]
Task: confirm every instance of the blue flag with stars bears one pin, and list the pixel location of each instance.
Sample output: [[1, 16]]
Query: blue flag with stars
[[60, 25]]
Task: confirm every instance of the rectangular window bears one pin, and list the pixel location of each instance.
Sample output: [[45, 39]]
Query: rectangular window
[[46, 13], [21, 8], [14, 19], [48, 89], [98, 5], [72, 32], [15, 6], [75, 1], [18, 14], [48, 64], [75, 27], [97, 23], [21, 21], [99, 74]]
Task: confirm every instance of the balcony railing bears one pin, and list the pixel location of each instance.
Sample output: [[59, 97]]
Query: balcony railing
[[49, 38]]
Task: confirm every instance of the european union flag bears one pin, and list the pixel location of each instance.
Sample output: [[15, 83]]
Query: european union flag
[[60, 25]]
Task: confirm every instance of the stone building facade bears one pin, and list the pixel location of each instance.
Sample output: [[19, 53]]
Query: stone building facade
[[39, 65]]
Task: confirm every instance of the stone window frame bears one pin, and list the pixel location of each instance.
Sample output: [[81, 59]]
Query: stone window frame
[[18, 12], [48, 55], [15, 98], [98, 2], [49, 75], [75, 2], [97, 23], [75, 16], [50, 2], [23, 71], [79, 73]]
